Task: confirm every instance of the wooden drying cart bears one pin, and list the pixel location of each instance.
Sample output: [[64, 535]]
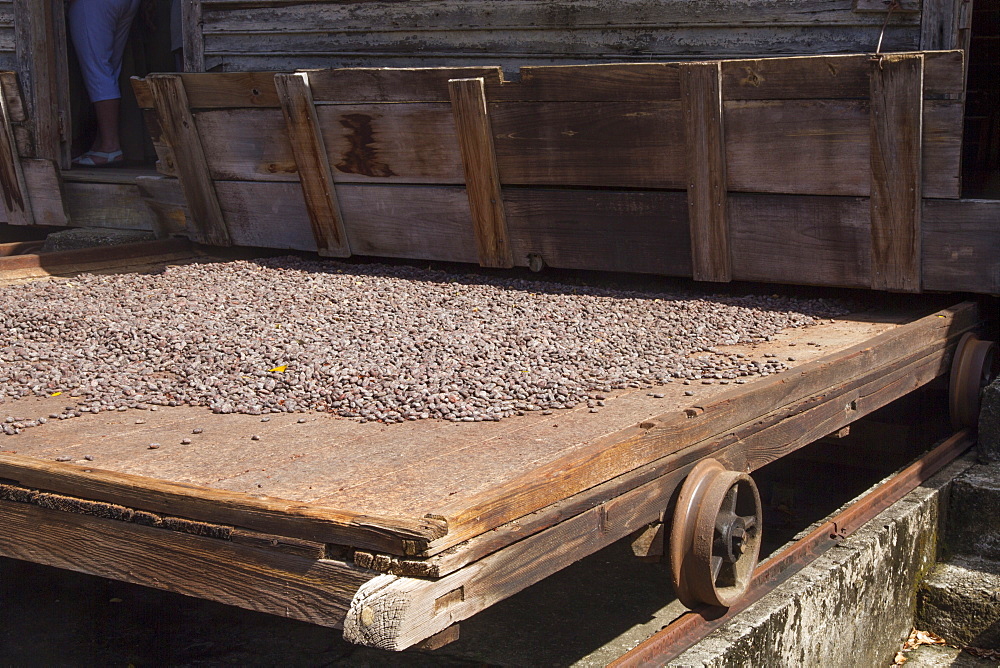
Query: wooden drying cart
[[398, 532]]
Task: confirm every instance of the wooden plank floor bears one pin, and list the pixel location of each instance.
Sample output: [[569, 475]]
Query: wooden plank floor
[[406, 470]]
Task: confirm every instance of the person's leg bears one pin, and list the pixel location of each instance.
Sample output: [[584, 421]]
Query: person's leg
[[100, 30]]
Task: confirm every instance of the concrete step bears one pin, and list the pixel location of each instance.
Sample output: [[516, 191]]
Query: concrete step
[[960, 601], [972, 525], [942, 656]]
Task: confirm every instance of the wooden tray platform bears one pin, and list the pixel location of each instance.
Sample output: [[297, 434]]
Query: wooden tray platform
[[396, 532]]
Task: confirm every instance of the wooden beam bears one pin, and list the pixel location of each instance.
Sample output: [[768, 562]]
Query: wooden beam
[[701, 102], [193, 36], [265, 580], [939, 24], [42, 62], [482, 177], [312, 159], [181, 133], [266, 515], [896, 163], [45, 192], [15, 190]]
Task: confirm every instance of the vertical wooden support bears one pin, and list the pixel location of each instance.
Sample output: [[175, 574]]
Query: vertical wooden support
[[939, 24], [313, 163], [897, 97], [181, 134], [193, 34], [15, 189], [701, 101], [482, 178], [40, 30]]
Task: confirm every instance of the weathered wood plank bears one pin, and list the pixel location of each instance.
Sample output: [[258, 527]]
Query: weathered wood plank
[[165, 201], [420, 15], [603, 231], [829, 77], [360, 85], [798, 239], [482, 178], [630, 448], [266, 580], [607, 82], [181, 133], [118, 206], [701, 102], [16, 204], [939, 24], [267, 515], [218, 90], [315, 175], [45, 192], [961, 245], [192, 29], [896, 161]]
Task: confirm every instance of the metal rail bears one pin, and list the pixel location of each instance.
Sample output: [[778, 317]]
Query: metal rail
[[696, 624]]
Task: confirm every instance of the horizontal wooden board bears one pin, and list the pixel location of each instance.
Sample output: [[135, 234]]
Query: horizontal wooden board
[[961, 245], [804, 240], [829, 77], [821, 147], [265, 580], [466, 47], [225, 16], [609, 231], [117, 206]]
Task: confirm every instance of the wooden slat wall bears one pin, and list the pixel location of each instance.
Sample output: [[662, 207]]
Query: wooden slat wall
[[792, 204], [267, 35]]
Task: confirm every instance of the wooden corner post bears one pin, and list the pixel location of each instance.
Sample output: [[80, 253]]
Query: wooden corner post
[[181, 133], [482, 177], [701, 102], [313, 164], [897, 113]]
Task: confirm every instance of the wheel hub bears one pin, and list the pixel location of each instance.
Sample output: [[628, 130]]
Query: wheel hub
[[971, 371]]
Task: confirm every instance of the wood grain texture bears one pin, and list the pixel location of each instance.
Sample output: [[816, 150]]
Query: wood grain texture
[[644, 232], [267, 515], [192, 30], [607, 457], [939, 24], [774, 238], [701, 103], [265, 580], [110, 205], [482, 177], [401, 611], [180, 132], [45, 192], [313, 164], [165, 201], [16, 204], [961, 245], [896, 162]]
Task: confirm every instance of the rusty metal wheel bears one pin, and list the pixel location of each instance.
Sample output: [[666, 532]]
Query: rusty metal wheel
[[971, 371], [715, 536]]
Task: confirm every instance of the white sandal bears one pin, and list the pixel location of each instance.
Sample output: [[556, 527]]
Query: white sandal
[[87, 159]]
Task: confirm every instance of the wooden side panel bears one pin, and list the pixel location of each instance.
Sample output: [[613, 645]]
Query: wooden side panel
[[194, 40], [701, 101], [482, 178], [181, 133], [800, 239], [896, 160], [313, 164], [8, 40], [315, 591], [961, 245]]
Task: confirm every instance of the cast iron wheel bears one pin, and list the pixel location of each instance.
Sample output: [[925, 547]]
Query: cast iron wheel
[[715, 536], [971, 371]]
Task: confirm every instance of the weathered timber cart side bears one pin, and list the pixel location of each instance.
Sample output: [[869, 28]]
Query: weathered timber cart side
[[824, 170], [397, 532]]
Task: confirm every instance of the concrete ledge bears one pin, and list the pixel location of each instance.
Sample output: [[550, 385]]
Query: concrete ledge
[[852, 607], [989, 423], [960, 601], [975, 507]]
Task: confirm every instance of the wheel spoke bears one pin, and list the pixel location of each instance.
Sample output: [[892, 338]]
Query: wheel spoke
[[749, 521], [716, 567], [728, 506]]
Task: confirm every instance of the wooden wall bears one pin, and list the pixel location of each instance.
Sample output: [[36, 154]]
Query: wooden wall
[[8, 52], [251, 35]]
